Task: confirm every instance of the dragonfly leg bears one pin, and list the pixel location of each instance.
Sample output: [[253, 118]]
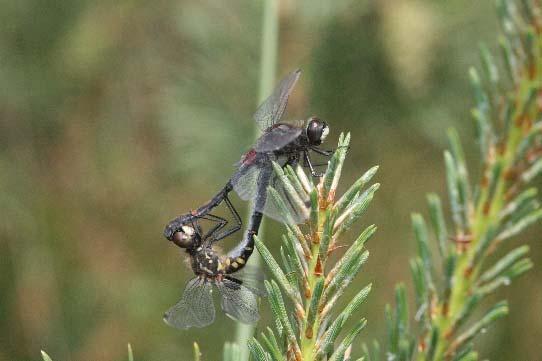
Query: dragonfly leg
[[305, 163], [236, 217], [309, 163], [327, 153], [220, 223]]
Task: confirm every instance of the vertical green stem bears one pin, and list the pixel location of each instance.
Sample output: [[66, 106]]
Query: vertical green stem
[[268, 64], [268, 60]]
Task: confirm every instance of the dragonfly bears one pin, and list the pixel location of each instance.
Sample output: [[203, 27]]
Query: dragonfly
[[286, 143], [238, 299]]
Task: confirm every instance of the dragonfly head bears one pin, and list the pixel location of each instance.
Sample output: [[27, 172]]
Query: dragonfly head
[[317, 130], [184, 238]]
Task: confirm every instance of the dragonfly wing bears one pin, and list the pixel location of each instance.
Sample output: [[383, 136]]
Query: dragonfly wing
[[195, 309], [297, 205], [238, 302], [271, 110], [251, 183], [245, 180], [252, 278], [277, 137]]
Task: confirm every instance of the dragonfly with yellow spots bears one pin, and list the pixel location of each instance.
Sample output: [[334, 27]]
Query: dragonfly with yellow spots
[[238, 299]]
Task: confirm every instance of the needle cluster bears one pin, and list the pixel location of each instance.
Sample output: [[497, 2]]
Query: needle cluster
[[310, 278], [449, 287]]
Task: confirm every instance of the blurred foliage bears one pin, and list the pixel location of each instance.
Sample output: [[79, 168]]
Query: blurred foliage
[[488, 213], [116, 116]]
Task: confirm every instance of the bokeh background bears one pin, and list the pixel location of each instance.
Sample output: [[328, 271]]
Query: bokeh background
[[117, 116]]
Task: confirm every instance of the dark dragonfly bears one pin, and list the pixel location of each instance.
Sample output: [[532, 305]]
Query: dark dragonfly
[[238, 300], [286, 143]]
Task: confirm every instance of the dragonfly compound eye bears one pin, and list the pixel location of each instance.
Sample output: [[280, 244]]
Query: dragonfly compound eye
[[317, 131], [184, 237]]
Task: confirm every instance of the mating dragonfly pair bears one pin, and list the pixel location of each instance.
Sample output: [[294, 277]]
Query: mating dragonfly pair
[[286, 143]]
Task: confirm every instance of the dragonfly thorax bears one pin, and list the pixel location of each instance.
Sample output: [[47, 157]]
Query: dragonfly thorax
[[205, 261], [317, 130]]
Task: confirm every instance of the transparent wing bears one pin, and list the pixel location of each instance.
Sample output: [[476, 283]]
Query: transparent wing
[[253, 278], [277, 137], [195, 309], [271, 110], [251, 183], [297, 205], [245, 181], [238, 302]]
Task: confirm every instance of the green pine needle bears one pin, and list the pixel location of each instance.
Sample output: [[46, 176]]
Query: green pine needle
[[45, 357], [131, 353]]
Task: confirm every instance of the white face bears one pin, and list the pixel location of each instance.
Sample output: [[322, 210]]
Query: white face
[[325, 132], [188, 232]]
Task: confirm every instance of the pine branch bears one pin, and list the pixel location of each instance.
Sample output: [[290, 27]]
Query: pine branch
[[309, 279], [507, 114]]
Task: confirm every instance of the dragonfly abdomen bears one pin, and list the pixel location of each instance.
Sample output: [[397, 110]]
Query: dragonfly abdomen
[[237, 259]]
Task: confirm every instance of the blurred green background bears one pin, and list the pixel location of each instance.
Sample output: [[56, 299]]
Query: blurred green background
[[117, 116]]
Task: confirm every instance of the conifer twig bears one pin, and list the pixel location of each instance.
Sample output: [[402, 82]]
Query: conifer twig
[[499, 206], [309, 278]]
